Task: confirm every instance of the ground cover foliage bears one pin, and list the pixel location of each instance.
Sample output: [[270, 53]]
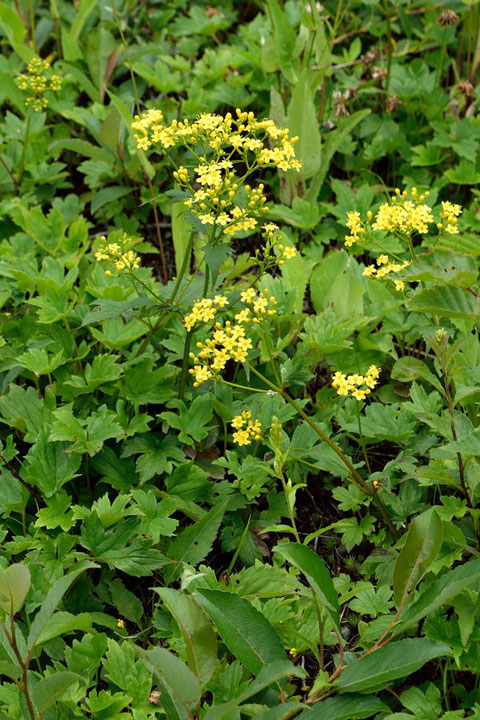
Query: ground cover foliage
[[239, 360]]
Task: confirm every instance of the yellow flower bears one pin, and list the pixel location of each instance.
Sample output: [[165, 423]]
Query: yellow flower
[[246, 428], [120, 623], [227, 141], [118, 253], [351, 384]]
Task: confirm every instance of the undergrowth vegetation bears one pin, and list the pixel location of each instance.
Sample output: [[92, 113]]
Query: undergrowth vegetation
[[239, 360]]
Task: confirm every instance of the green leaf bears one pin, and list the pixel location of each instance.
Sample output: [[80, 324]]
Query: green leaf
[[244, 630], [49, 689], [317, 575], [423, 543], [440, 592], [10, 670], [331, 145], [14, 586], [191, 421], [83, 10], [62, 623], [107, 195], [268, 676], [194, 543], [284, 40], [197, 632], [396, 660], [53, 597], [344, 707], [407, 369], [181, 231], [11, 24], [302, 121], [49, 467], [175, 674], [446, 301]]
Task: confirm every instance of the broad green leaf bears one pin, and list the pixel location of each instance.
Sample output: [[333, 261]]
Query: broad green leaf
[[11, 24], [302, 121], [407, 369], [53, 597], [317, 575], [244, 630], [10, 670], [324, 276], [344, 707], [83, 10], [423, 543], [14, 586], [197, 632], [63, 623], [396, 660], [439, 592], [446, 301], [49, 689], [181, 231], [284, 37], [194, 543], [268, 676], [173, 672], [282, 712]]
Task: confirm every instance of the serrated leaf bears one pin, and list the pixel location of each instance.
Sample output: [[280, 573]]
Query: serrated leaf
[[268, 676], [396, 660], [244, 630], [440, 592], [194, 543], [49, 689], [344, 707], [446, 301], [52, 599]]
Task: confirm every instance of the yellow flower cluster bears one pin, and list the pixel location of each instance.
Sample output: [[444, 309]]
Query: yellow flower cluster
[[261, 305], [246, 428], [385, 267], [359, 386], [449, 214], [220, 198], [35, 83], [204, 311], [356, 227], [228, 341], [403, 215], [118, 253]]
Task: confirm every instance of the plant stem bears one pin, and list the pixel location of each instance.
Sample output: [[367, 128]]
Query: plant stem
[[289, 508], [149, 182], [362, 440], [359, 481], [24, 149], [186, 353], [32, 24]]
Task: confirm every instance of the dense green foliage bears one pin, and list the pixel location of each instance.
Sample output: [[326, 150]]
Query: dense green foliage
[[319, 557]]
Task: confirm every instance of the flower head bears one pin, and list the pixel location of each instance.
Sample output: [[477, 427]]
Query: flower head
[[245, 428], [358, 386]]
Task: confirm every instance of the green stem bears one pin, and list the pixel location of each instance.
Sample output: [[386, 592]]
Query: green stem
[[32, 24], [183, 376], [362, 440], [290, 508], [355, 474], [24, 149]]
